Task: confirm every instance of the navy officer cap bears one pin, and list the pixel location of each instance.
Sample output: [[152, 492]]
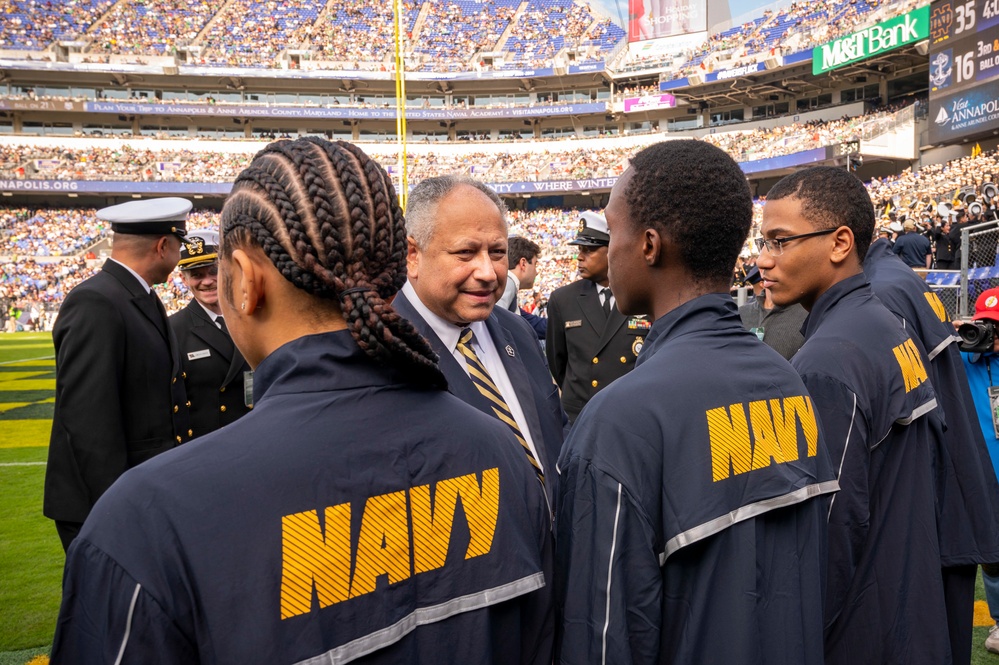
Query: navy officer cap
[[200, 249], [592, 231], [167, 216]]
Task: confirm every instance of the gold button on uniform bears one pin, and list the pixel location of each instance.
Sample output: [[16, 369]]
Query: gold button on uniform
[[179, 439], [594, 384], [175, 379], [188, 404], [222, 408], [222, 389], [623, 359], [190, 432], [596, 360], [176, 408]]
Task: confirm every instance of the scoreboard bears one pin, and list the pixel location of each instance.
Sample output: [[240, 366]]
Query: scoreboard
[[964, 69]]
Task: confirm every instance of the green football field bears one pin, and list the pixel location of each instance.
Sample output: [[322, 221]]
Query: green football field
[[30, 555]]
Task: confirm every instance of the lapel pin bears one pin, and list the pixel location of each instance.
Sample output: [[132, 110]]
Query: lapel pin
[[509, 351]]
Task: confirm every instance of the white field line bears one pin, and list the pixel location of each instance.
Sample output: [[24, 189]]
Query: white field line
[[26, 360]]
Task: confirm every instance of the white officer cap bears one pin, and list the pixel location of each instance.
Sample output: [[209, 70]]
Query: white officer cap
[[592, 231], [150, 217]]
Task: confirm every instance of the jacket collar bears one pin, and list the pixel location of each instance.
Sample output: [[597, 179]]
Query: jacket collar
[[713, 311], [318, 363], [828, 300]]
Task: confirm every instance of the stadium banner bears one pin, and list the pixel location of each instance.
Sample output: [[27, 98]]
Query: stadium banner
[[39, 105], [340, 113], [221, 189], [798, 159], [656, 19], [881, 38], [304, 73], [586, 67], [649, 103], [964, 113], [114, 187], [720, 75]]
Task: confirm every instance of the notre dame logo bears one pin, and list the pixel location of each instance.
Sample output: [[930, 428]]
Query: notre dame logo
[[941, 20], [195, 246]]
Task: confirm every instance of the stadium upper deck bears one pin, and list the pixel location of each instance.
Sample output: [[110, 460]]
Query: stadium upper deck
[[458, 36], [441, 36]]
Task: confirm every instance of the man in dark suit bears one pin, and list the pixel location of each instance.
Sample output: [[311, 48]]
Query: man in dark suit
[[457, 271], [589, 342], [118, 398], [216, 372]]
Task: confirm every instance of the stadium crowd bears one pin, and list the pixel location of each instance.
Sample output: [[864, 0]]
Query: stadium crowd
[[248, 33], [255, 34], [29, 235], [147, 164], [809, 23]]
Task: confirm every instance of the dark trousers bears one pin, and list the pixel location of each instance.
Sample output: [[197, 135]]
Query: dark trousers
[[945, 264], [959, 595], [67, 531]]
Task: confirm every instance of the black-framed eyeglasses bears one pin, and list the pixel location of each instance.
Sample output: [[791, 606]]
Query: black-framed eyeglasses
[[776, 245]]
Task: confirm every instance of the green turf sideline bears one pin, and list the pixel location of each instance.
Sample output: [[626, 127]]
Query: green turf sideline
[[23, 656], [31, 557], [31, 561]]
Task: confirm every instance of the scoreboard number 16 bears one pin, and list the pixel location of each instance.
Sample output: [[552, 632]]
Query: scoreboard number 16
[[964, 65]]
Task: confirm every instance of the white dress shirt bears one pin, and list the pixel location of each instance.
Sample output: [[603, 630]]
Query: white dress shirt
[[485, 349], [134, 274], [211, 315]]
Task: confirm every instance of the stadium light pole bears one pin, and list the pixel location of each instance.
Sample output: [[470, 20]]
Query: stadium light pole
[[400, 104]]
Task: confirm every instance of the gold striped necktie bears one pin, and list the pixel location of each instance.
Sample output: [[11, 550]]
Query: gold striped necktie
[[480, 377]]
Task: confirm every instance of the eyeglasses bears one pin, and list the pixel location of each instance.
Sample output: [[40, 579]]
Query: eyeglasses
[[776, 245]]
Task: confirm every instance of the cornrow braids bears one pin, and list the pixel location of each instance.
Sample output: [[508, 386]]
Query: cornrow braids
[[327, 217]]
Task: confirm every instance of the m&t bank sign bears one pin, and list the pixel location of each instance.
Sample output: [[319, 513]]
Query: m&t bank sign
[[892, 34]]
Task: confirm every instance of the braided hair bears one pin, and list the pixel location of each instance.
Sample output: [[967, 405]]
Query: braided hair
[[327, 217]]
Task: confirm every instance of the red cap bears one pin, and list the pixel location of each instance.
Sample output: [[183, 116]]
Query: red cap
[[987, 305]]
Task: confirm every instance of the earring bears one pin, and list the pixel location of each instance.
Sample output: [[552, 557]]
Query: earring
[[243, 307]]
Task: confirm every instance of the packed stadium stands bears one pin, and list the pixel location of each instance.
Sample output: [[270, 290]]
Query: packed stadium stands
[[442, 36], [28, 235], [42, 246], [799, 27], [127, 163]]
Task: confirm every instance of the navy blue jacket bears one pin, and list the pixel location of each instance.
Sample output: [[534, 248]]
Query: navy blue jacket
[[680, 538], [967, 490], [878, 411], [334, 522], [912, 248], [528, 373]]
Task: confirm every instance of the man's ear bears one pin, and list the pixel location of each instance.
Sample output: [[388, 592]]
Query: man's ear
[[652, 247], [843, 245], [412, 258]]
